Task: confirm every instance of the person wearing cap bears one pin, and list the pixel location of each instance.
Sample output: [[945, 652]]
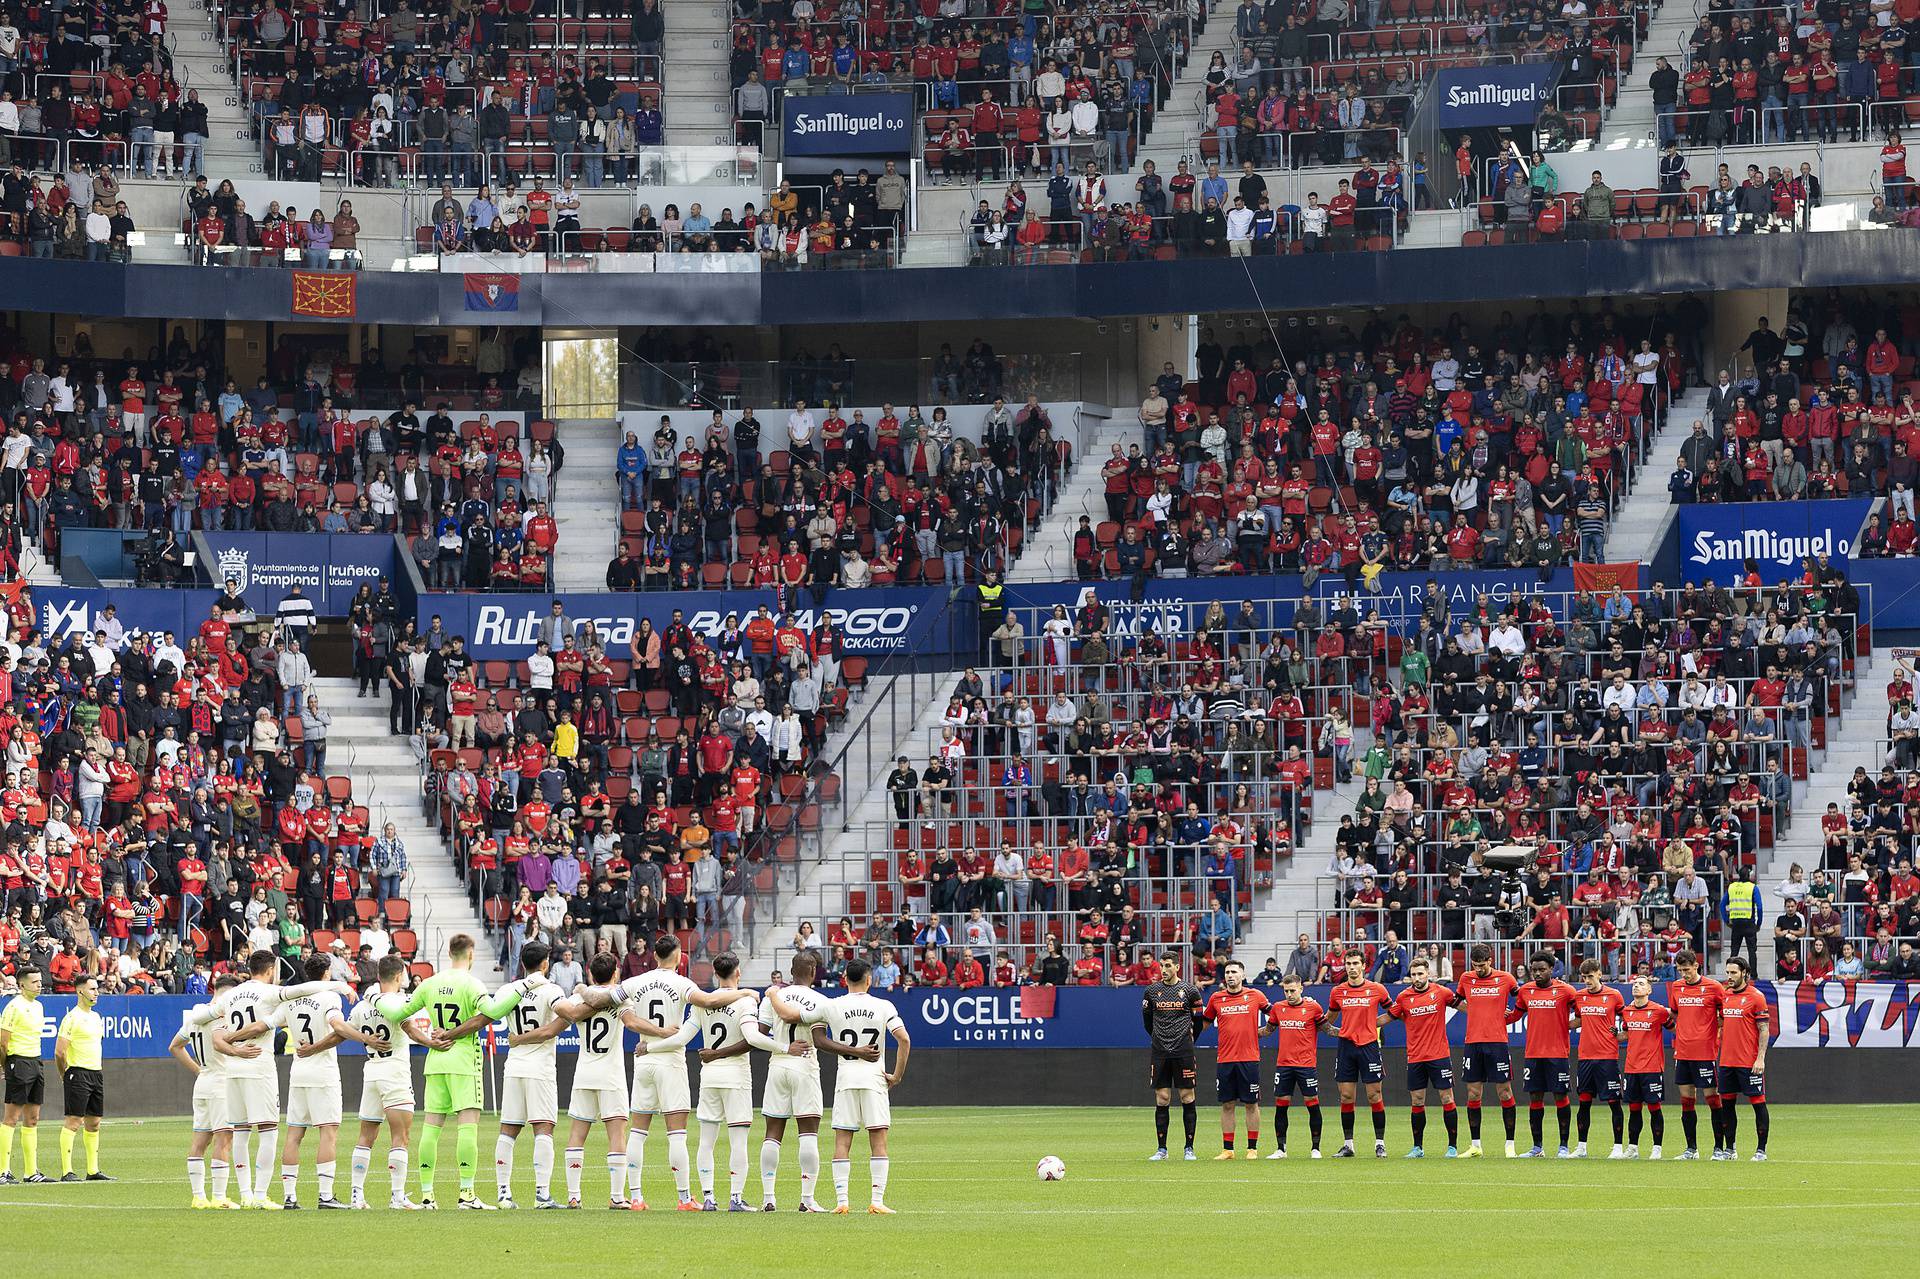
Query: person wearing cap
[[339, 967]]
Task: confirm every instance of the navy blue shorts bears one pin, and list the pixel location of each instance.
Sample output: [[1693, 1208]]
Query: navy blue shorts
[[1546, 1075], [1649, 1088], [1699, 1074], [1736, 1081], [1437, 1073], [1600, 1079], [1487, 1064], [1288, 1079], [1237, 1081], [1357, 1063]]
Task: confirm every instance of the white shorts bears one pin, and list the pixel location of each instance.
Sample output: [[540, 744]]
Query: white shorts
[[252, 1101], [660, 1084], [377, 1096], [791, 1094], [731, 1106], [857, 1108], [313, 1105], [529, 1101], [591, 1105], [210, 1105]]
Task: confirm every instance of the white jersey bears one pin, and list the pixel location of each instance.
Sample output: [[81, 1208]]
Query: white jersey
[[388, 1064], [862, 1021], [603, 1051], [534, 1061], [248, 1003], [723, 1028], [813, 1006], [661, 997], [308, 1020], [199, 1023]]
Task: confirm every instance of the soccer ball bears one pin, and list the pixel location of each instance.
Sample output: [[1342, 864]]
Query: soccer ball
[[1050, 1169]]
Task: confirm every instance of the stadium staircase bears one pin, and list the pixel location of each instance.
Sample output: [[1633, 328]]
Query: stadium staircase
[[1855, 741], [844, 854], [697, 105], [1049, 553], [1178, 125], [1637, 524], [587, 505], [200, 63], [386, 778], [1630, 125], [1293, 903]]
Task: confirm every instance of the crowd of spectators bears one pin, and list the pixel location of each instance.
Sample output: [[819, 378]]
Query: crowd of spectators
[[999, 77], [1779, 75], [485, 94], [1503, 445], [172, 445], [597, 795], [167, 809], [1590, 771], [905, 498], [1824, 407]]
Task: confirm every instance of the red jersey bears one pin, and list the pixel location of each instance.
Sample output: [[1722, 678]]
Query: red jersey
[[1425, 1013], [1598, 1010], [1548, 1008], [1359, 1008], [1237, 1014], [1487, 1001], [1299, 1027], [1696, 1018], [1646, 1037], [1744, 1017]]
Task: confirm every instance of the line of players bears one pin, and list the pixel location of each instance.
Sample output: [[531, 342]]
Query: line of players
[[235, 1093], [1720, 1033]]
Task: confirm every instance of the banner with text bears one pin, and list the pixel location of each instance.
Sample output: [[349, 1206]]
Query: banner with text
[[1174, 605], [873, 622], [61, 611], [1717, 539], [847, 124], [1477, 97], [328, 567], [1830, 1014]]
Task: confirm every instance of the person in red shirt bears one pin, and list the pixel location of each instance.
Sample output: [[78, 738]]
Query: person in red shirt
[[1695, 1001], [1598, 1007], [1745, 1023], [1296, 1066], [1646, 1024], [1087, 970], [1487, 995], [1548, 1003], [1359, 1003], [1422, 1006], [1237, 1010]]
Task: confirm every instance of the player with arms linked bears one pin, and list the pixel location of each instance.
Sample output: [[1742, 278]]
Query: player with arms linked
[[1172, 1012], [1237, 1010], [1695, 1001], [1745, 1021], [1423, 1007], [1646, 1024], [1360, 1004], [1488, 994], [1548, 1003], [1296, 1021], [1598, 1007]]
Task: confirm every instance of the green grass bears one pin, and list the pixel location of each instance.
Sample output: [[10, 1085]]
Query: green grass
[[970, 1204]]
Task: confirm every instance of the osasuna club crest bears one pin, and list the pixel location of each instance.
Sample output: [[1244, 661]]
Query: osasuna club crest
[[233, 564]]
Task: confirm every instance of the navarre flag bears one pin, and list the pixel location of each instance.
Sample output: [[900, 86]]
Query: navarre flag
[[325, 295], [1600, 578], [493, 292]]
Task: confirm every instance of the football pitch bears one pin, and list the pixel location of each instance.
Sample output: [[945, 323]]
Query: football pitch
[[969, 1204]]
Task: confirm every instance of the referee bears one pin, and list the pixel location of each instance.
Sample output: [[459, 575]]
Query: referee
[[76, 1051], [20, 1024]]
